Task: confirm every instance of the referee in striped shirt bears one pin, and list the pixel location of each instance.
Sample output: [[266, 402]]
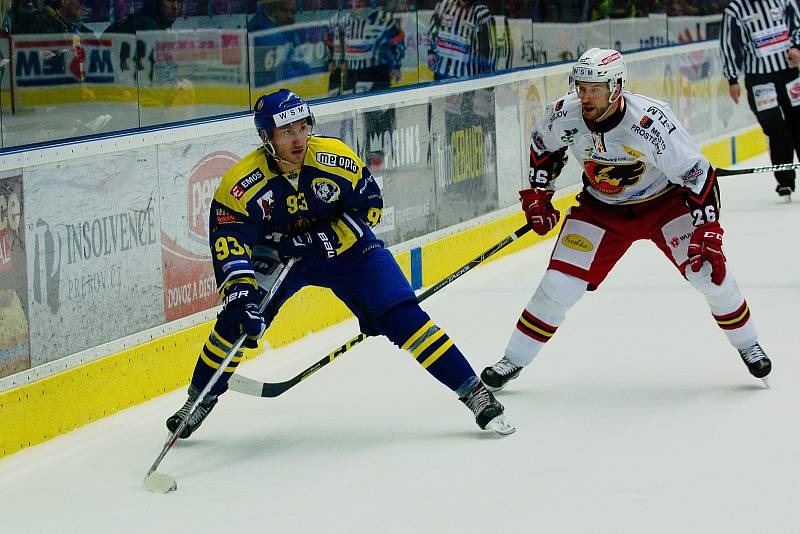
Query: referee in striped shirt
[[762, 39], [463, 40]]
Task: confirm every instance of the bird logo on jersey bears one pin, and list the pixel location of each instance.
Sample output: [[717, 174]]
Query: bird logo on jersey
[[613, 178]]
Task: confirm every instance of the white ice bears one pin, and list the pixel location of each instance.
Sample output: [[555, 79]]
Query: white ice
[[637, 417]]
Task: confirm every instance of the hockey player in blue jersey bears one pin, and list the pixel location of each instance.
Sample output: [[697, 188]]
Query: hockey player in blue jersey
[[311, 197]]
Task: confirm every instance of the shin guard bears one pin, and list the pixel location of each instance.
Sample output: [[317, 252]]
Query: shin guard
[[411, 329]]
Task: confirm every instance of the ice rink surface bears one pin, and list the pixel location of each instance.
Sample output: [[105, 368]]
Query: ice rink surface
[[637, 417]]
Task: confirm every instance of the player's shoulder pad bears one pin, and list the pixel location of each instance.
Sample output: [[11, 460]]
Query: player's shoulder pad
[[566, 107], [333, 156], [243, 180], [647, 111]]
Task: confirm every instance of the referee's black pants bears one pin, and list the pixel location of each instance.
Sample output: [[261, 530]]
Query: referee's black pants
[[781, 124]]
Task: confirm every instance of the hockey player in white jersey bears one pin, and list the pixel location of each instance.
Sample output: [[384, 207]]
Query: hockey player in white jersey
[[644, 178]]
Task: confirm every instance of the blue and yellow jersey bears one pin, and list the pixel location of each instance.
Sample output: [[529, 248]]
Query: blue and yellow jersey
[[254, 202]]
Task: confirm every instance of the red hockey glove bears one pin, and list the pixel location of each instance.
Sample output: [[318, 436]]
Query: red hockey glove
[[706, 245], [538, 209]]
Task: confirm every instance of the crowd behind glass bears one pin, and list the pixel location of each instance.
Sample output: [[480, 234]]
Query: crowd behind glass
[[72, 68]]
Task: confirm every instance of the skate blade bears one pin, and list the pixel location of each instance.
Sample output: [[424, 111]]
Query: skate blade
[[766, 382], [160, 483], [500, 425]]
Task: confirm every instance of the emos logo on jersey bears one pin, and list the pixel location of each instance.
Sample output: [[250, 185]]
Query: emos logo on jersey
[[645, 122], [613, 178], [577, 242], [241, 187], [325, 189]]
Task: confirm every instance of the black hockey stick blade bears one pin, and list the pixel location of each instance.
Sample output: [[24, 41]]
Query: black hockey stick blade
[[758, 170], [250, 386]]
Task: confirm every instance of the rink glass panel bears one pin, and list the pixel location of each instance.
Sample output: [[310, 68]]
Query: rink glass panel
[[120, 69]]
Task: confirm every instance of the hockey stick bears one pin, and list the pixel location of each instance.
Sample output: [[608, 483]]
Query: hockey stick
[[163, 483], [757, 170], [250, 386]]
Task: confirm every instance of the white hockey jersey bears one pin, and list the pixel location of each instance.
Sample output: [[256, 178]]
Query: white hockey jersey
[[647, 154]]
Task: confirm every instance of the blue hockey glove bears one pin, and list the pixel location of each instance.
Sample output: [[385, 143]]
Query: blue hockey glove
[[319, 242], [240, 309]]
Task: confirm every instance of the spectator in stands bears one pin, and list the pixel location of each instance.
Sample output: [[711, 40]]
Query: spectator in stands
[[272, 14], [63, 16], [154, 15], [23, 17]]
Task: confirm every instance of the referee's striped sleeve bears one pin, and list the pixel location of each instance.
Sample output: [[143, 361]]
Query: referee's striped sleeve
[[731, 46], [793, 18]]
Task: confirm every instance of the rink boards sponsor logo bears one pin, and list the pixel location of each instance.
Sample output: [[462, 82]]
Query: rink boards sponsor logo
[[325, 189], [204, 179], [336, 160], [190, 292], [577, 242], [392, 148], [241, 187], [10, 219], [661, 117], [52, 61]]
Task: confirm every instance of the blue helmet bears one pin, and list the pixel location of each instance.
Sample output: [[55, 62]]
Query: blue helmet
[[279, 109]]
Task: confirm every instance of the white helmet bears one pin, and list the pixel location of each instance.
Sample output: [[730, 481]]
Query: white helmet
[[600, 65]]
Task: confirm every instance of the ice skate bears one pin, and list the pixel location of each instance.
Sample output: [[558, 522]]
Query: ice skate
[[498, 375], [197, 417], [785, 192], [757, 362], [488, 412]]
